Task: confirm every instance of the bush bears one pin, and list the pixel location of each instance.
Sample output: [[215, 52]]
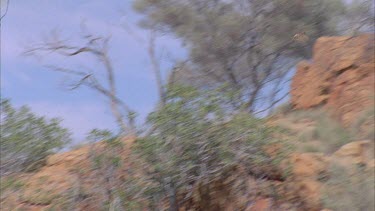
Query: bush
[[311, 114], [195, 140], [27, 139], [344, 191], [363, 127], [113, 172], [332, 134]]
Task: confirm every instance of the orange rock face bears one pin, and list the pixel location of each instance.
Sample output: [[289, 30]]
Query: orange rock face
[[340, 76], [308, 165], [262, 205], [303, 183]]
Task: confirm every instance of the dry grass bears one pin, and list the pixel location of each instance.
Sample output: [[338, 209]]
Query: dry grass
[[316, 125], [349, 192], [364, 126]]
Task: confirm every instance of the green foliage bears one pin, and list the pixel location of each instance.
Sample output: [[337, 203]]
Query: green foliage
[[10, 183], [108, 155], [27, 139], [115, 161], [363, 127], [130, 190], [194, 141], [96, 135], [326, 130], [332, 134], [106, 136], [311, 114], [225, 22], [246, 44], [311, 148], [308, 135], [107, 159]]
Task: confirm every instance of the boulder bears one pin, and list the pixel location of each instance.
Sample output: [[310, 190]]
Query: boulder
[[340, 77], [263, 204], [357, 152], [307, 165]]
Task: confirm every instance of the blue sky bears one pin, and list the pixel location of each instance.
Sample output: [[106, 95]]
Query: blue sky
[[26, 82]]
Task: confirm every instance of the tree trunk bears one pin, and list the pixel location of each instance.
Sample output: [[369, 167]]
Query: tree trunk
[[172, 195]]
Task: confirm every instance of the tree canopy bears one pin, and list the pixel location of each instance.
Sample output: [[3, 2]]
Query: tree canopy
[[247, 44]]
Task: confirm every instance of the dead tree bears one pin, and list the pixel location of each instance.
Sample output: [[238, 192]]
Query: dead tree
[[156, 68], [97, 47]]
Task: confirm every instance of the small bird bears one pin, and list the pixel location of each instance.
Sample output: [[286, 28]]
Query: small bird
[[301, 38]]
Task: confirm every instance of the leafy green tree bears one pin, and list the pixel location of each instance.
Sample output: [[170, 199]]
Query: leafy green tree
[[27, 139]]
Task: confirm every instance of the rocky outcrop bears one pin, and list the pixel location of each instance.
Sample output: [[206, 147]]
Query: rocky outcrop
[[302, 184], [339, 77], [356, 153], [58, 178], [308, 171]]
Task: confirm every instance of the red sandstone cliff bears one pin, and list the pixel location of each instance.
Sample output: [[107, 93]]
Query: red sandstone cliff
[[340, 77]]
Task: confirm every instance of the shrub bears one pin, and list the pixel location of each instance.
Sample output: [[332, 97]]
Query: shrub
[[363, 127], [328, 131], [115, 176], [307, 135], [332, 134], [311, 114], [311, 148], [10, 183], [193, 141], [27, 139]]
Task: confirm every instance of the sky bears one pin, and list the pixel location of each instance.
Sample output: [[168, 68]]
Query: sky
[[26, 81]]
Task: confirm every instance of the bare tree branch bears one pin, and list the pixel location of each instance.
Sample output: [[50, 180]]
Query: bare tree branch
[[97, 47], [156, 68], [6, 11], [80, 82]]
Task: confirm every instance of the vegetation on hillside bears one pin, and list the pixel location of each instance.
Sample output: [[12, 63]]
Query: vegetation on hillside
[[207, 121], [195, 141], [27, 139]]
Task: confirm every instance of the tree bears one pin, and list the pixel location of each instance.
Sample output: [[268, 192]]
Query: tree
[[156, 68], [27, 139], [116, 179], [195, 141], [106, 160], [97, 47], [246, 44]]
